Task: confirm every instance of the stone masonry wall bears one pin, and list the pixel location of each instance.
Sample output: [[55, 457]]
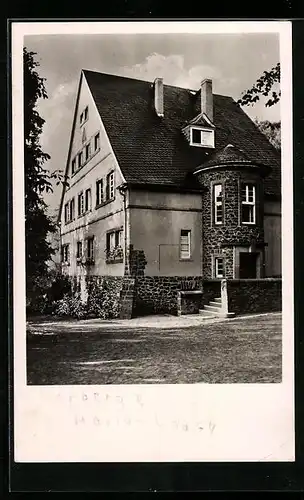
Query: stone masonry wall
[[218, 240], [189, 302], [254, 296], [158, 294]]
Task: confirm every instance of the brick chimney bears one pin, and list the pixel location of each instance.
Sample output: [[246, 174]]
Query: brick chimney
[[207, 98], [159, 96]]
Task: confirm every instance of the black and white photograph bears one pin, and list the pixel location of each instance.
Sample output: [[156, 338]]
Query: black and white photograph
[[152, 181]]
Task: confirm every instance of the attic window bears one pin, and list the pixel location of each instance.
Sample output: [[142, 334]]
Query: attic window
[[202, 137], [84, 115]]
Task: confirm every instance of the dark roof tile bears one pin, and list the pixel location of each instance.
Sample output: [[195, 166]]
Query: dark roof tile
[[153, 150]]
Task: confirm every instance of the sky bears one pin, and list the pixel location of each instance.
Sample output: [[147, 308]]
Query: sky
[[233, 61]]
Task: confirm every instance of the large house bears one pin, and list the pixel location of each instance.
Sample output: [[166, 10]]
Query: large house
[[168, 181]]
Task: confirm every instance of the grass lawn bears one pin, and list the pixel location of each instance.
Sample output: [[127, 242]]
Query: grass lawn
[[242, 350]]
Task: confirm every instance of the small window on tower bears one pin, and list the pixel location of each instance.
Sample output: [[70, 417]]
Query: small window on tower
[[218, 204], [248, 207], [219, 267]]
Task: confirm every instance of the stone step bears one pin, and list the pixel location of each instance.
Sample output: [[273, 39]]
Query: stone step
[[218, 299], [207, 314], [218, 305], [215, 313], [212, 308]]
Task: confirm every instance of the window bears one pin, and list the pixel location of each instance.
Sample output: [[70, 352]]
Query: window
[[72, 209], [80, 203], [185, 244], [114, 249], [96, 142], [65, 253], [218, 204], [87, 201], [110, 186], [202, 137], [90, 249], [80, 159], [99, 192], [73, 166], [219, 267], [79, 250], [196, 136], [87, 151], [248, 204], [84, 115], [66, 213]]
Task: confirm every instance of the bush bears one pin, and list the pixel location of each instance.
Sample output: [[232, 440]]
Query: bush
[[44, 290], [103, 299], [59, 295], [71, 307]]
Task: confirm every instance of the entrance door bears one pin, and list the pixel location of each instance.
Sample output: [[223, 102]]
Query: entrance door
[[248, 265]]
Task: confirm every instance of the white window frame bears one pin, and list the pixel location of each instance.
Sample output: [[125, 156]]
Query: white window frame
[[99, 192], [186, 256], [218, 204], [247, 202], [201, 144], [111, 185], [87, 200], [80, 202], [79, 245], [67, 212], [113, 243], [217, 274], [65, 255], [90, 249]]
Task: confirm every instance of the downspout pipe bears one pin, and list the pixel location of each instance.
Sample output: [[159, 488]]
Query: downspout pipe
[[123, 191]]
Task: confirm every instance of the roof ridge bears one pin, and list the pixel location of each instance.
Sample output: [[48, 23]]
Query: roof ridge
[[197, 91]]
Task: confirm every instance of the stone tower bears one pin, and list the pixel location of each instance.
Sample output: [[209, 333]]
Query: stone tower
[[233, 234]]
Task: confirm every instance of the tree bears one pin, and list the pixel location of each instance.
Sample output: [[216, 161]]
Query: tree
[[263, 87], [272, 130], [38, 179]]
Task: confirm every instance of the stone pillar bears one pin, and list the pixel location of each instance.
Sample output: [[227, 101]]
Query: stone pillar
[[224, 296]]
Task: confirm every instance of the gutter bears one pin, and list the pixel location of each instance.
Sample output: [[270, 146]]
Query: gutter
[[123, 191]]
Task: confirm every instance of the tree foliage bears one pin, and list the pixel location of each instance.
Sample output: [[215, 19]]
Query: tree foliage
[[272, 130], [38, 179], [263, 87]]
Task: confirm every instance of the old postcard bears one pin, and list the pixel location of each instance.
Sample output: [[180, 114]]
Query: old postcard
[[153, 248]]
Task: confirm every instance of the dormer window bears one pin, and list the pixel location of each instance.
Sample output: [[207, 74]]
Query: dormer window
[[202, 137]]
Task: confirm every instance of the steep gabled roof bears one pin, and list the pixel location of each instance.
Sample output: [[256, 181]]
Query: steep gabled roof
[[153, 150]]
